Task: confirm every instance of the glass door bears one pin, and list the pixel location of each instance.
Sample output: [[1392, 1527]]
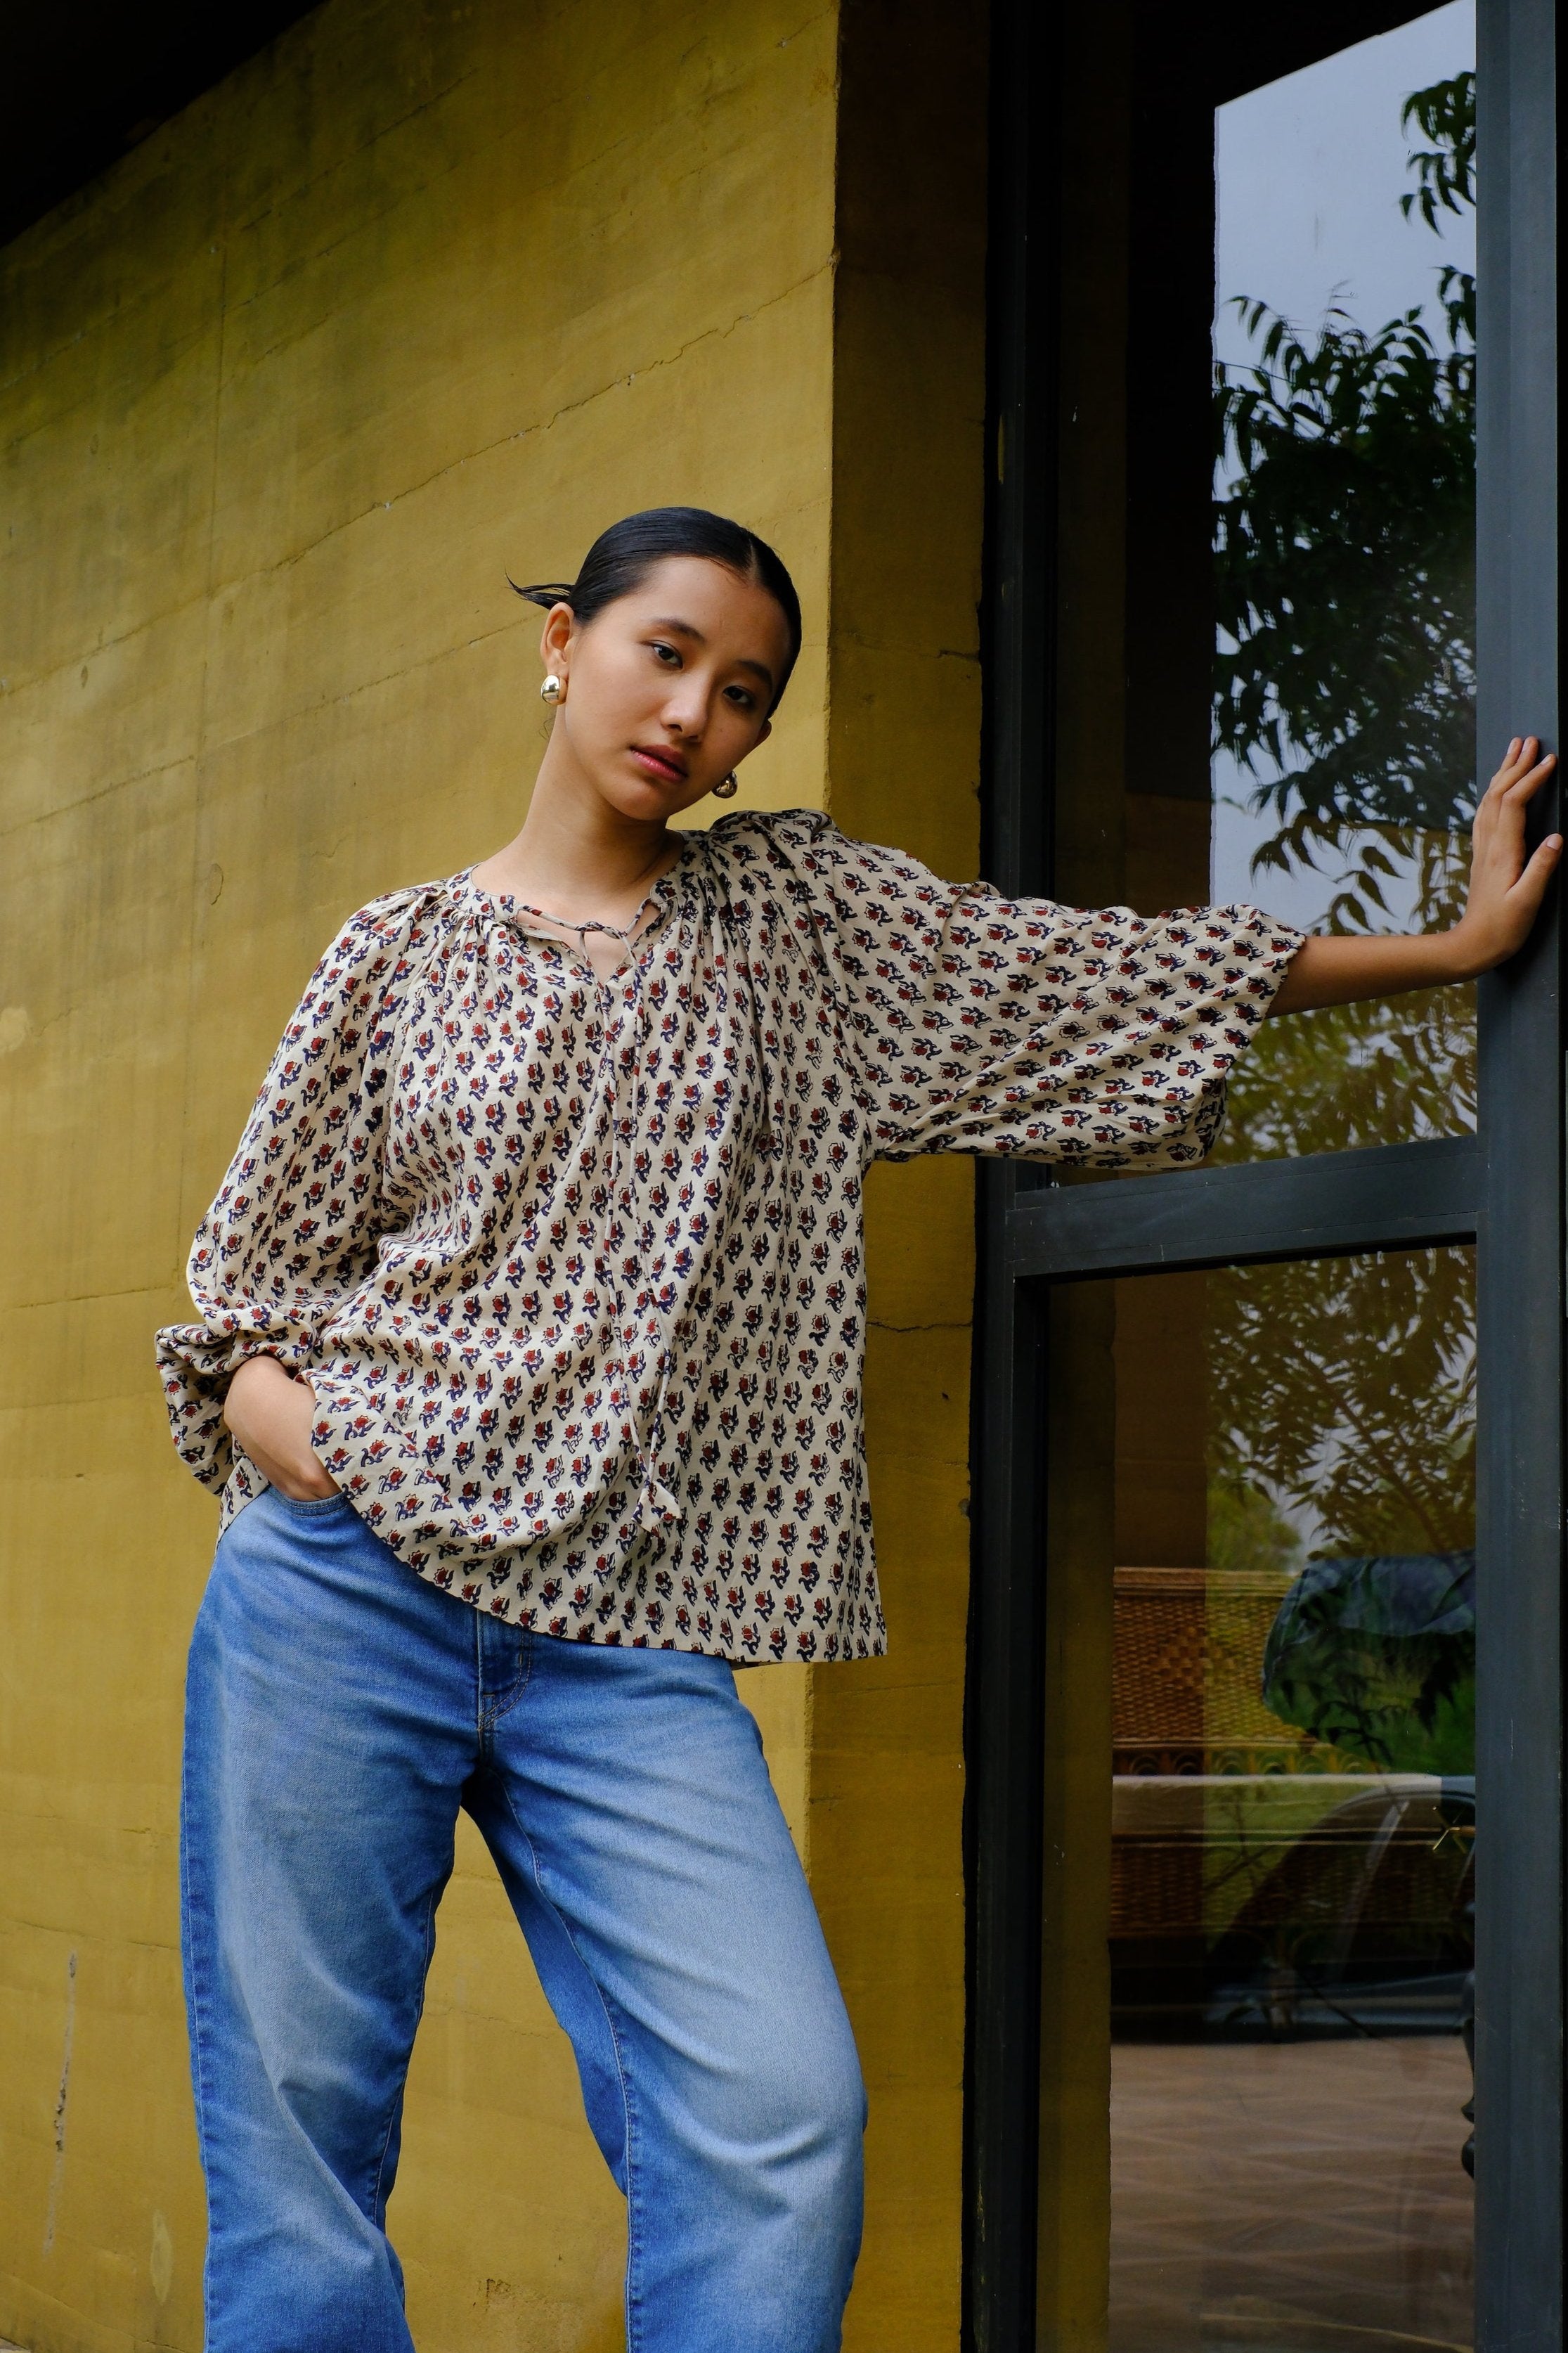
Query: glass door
[[1266, 2042], [1266, 1586]]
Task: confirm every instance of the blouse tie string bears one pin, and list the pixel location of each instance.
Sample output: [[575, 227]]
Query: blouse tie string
[[654, 1498]]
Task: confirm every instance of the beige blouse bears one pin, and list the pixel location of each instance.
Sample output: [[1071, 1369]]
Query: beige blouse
[[575, 1265]]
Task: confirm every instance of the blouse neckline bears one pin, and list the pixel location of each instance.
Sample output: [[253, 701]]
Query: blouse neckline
[[528, 921]]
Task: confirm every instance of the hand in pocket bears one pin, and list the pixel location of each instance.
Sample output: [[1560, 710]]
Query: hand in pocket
[[270, 1414]]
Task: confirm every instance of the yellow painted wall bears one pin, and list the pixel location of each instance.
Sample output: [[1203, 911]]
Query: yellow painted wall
[[886, 1787], [418, 295]]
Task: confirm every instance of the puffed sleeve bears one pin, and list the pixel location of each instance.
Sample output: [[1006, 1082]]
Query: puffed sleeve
[[987, 1024], [293, 1229]]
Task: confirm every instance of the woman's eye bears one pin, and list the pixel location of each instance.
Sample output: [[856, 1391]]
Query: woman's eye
[[742, 697], [667, 655]]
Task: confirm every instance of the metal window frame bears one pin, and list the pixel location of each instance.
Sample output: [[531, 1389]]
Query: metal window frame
[[1503, 1190]]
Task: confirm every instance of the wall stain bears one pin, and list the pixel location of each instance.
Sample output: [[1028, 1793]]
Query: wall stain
[[57, 2171], [162, 2263]]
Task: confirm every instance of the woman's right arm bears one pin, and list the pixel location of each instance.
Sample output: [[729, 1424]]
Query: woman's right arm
[[268, 1413], [293, 1233]]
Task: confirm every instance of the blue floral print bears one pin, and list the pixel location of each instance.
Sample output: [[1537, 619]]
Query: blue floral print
[[574, 1265]]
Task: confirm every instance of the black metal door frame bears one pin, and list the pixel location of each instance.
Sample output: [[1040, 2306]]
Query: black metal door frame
[[1503, 1190]]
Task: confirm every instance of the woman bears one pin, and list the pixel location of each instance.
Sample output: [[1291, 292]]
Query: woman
[[528, 1367]]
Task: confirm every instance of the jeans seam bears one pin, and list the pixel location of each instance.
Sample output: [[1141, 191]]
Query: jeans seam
[[189, 1915], [375, 2207], [629, 2101], [506, 1701]]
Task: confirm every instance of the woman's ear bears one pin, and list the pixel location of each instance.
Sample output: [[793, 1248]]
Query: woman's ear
[[763, 732], [555, 638]]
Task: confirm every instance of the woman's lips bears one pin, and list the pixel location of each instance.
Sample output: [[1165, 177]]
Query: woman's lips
[[659, 764]]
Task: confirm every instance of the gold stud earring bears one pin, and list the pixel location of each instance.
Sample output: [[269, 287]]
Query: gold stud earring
[[726, 789], [553, 690]]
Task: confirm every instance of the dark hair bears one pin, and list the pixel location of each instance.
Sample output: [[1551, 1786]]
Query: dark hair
[[622, 557]]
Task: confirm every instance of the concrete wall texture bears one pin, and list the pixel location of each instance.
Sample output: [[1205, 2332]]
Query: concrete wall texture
[[421, 295]]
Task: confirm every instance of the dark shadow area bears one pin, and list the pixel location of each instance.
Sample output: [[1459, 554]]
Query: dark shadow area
[[80, 86]]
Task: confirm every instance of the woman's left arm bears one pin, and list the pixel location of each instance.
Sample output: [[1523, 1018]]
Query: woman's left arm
[[1506, 891]]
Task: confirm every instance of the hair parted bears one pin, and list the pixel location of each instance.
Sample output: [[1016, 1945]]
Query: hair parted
[[622, 557]]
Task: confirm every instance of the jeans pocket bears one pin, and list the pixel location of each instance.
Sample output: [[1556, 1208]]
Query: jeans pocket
[[311, 1506]]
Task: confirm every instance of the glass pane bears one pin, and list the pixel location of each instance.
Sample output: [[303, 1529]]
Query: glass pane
[[1266, 656], [1263, 1587], [1343, 768]]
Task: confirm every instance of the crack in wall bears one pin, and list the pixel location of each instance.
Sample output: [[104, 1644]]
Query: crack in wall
[[937, 1323], [43, 817], [57, 2171]]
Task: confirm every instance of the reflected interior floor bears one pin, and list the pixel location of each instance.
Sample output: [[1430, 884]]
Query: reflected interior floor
[[1291, 2198]]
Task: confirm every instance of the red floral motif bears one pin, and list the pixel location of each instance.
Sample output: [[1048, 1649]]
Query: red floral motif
[[576, 1266]]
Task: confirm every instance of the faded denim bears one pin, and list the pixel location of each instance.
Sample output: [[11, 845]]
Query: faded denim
[[339, 1711]]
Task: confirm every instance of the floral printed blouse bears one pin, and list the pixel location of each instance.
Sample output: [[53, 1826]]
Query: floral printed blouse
[[574, 1265]]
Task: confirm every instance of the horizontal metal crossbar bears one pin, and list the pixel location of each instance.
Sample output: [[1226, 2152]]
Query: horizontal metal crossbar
[[1391, 1197]]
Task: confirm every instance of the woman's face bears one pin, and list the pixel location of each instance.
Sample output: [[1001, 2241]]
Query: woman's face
[[667, 688]]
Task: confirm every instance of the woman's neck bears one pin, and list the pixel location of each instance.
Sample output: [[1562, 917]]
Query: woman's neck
[[577, 859]]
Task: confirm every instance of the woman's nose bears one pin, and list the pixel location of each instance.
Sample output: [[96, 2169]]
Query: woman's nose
[[686, 715]]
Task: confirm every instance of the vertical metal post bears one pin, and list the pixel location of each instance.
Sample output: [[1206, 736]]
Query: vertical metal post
[[1019, 632], [1003, 1735], [1518, 1844], [1005, 1748]]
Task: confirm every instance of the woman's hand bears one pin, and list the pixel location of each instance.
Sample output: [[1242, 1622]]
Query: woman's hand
[[270, 1414], [1506, 892]]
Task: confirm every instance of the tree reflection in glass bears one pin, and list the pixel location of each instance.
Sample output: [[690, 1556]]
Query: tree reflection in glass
[[1344, 681]]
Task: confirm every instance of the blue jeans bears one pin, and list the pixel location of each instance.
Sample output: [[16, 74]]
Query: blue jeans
[[339, 1712]]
